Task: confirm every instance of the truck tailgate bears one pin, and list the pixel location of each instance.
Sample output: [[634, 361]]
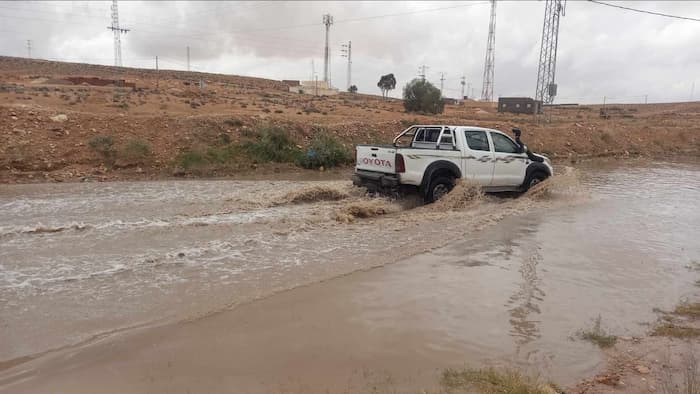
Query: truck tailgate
[[376, 158]]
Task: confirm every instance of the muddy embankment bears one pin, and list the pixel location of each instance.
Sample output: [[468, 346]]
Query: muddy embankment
[[53, 131]]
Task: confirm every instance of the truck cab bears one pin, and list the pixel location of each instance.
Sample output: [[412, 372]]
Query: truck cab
[[431, 158]]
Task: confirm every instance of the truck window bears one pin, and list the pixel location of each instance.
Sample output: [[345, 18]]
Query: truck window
[[477, 140], [503, 144], [427, 137]]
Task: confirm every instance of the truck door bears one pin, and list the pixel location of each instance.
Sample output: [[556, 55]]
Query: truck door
[[477, 162], [510, 163]]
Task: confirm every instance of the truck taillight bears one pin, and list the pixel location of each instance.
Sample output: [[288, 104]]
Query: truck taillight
[[400, 165]]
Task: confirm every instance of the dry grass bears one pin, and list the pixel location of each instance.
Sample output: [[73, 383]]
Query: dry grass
[[689, 383], [691, 310], [492, 381], [673, 330], [364, 209], [598, 335]]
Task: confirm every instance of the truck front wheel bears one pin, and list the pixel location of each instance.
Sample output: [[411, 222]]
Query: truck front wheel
[[535, 178], [438, 188]]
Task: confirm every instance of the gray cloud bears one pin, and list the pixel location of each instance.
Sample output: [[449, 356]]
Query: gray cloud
[[603, 51]]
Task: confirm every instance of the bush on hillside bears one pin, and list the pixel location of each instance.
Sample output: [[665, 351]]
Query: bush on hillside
[[325, 151], [104, 146], [273, 145], [421, 96]]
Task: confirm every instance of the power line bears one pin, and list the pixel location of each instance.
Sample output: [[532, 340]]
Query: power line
[[687, 18], [411, 12]]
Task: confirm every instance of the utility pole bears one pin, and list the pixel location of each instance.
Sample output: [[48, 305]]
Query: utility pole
[[188, 58], [347, 52], [421, 71], [646, 96], [442, 83], [117, 34], [157, 76], [315, 85], [692, 91], [313, 70], [29, 49], [546, 88], [463, 82], [328, 21]]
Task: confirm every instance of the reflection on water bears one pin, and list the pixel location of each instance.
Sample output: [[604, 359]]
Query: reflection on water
[[525, 303], [519, 291]]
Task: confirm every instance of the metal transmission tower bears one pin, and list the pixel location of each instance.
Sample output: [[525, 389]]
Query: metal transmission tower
[[421, 71], [29, 49], [463, 82], [347, 52], [117, 34], [546, 88], [487, 89], [328, 21]]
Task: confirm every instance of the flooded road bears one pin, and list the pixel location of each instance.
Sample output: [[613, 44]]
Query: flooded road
[[507, 281]]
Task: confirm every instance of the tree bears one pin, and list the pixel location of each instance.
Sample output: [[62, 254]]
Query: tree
[[386, 83], [422, 96], [352, 89]]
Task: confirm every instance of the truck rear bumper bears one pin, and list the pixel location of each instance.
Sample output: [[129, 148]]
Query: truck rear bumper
[[375, 180]]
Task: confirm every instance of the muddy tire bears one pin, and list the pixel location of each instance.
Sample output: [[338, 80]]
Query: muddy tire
[[535, 178], [438, 188]]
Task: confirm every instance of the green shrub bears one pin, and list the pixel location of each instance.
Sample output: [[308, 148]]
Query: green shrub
[[136, 151], [222, 155], [191, 159], [273, 145], [325, 151], [104, 146], [208, 158], [421, 96]]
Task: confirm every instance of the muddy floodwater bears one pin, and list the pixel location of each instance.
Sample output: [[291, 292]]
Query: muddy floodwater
[[93, 268]]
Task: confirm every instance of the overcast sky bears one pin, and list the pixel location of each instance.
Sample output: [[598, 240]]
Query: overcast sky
[[603, 51]]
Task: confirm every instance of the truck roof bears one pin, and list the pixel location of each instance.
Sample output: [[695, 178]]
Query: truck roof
[[451, 126]]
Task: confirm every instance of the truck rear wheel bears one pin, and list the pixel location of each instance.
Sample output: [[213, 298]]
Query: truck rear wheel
[[438, 188]]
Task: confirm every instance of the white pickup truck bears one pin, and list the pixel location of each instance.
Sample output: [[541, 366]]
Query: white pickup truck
[[431, 158]]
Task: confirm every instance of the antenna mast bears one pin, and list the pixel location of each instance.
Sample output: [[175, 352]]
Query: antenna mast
[[328, 21], [347, 52]]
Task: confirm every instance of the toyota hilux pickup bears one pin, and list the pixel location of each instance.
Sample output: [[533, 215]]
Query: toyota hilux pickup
[[431, 158]]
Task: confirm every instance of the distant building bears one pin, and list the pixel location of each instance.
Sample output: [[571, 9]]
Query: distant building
[[519, 105], [316, 88]]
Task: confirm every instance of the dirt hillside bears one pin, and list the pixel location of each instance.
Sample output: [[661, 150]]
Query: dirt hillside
[[51, 128]]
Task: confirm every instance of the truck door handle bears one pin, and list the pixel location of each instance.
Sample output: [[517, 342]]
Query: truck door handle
[[374, 155]]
